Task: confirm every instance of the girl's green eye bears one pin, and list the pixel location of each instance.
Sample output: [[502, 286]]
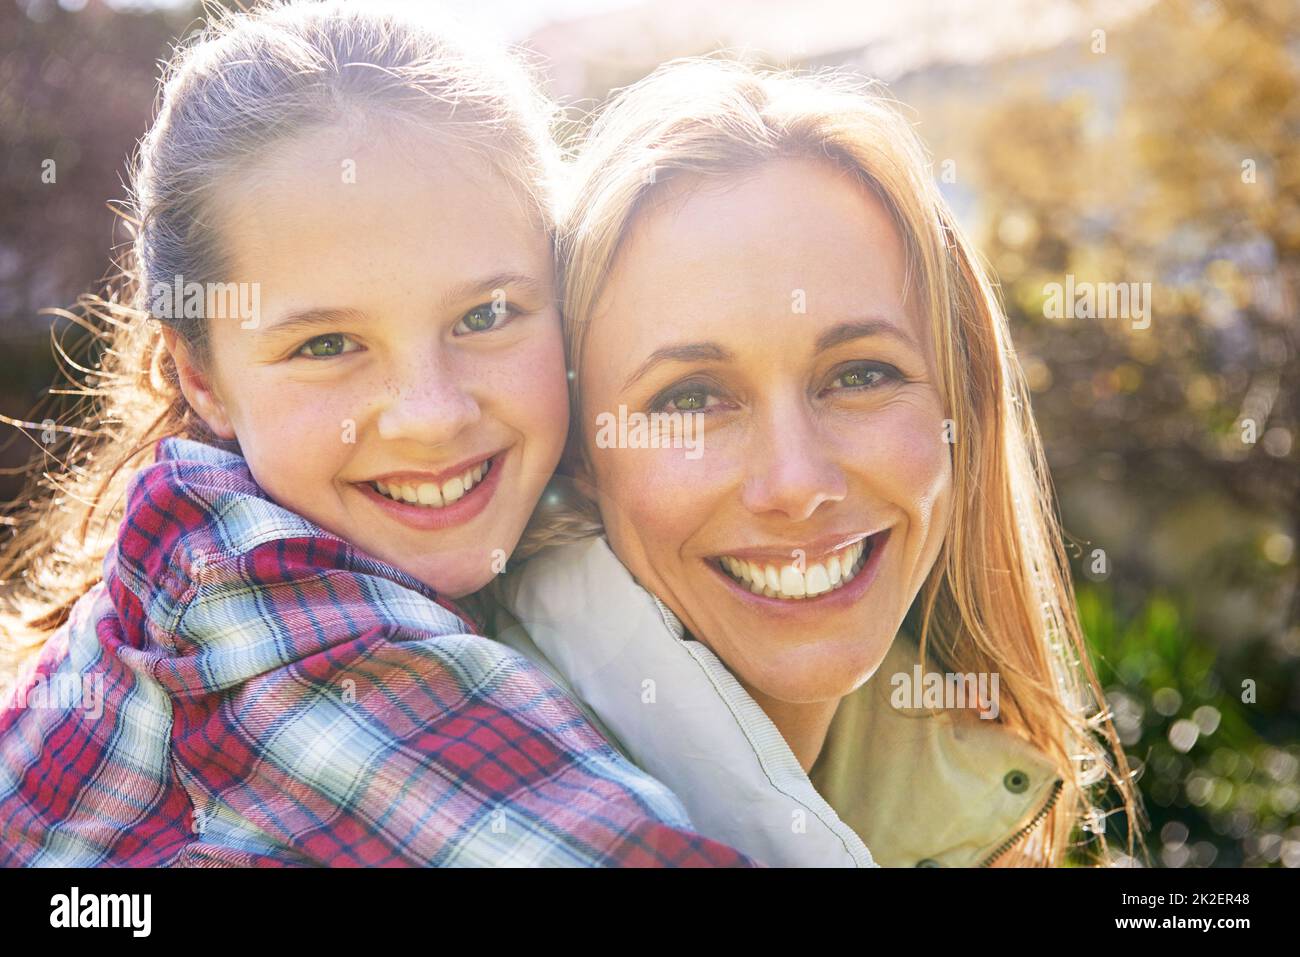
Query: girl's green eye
[[483, 318], [325, 347]]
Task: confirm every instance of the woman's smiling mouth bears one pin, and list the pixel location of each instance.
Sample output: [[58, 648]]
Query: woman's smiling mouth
[[805, 580]]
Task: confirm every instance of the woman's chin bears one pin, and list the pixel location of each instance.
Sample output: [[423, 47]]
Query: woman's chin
[[810, 675]]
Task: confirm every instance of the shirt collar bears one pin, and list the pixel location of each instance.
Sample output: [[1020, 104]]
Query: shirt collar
[[916, 788]]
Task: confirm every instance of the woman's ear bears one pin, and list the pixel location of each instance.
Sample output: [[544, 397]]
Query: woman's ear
[[196, 386]]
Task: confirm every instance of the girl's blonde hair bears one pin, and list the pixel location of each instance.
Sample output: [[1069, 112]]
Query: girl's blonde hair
[[999, 598], [242, 84]]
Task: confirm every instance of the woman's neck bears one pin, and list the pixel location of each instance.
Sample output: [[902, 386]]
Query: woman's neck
[[803, 725]]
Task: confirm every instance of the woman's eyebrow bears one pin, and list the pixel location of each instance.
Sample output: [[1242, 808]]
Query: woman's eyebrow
[[680, 352], [712, 352], [862, 329]]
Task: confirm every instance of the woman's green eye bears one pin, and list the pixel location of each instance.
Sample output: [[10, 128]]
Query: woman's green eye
[[687, 398], [691, 401], [865, 377], [325, 347], [856, 378]]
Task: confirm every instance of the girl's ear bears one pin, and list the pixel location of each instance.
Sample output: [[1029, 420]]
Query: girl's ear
[[196, 386]]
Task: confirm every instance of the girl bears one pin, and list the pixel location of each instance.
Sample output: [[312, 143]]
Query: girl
[[356, 397], [764, 260]]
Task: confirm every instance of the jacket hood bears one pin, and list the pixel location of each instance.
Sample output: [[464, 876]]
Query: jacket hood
[[892, 787]]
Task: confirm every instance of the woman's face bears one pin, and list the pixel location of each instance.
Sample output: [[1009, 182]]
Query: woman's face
[[404, 385], [793, 540]]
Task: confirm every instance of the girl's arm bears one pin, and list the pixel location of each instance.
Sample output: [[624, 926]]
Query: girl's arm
[[352, 722]]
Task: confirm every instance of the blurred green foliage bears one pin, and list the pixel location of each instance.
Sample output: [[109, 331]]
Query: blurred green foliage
[[1172, 158], [1209, 733]]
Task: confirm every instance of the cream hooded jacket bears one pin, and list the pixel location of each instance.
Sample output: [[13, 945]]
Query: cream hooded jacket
[[891, 787]]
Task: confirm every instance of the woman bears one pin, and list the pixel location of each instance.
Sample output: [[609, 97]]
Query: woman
[[823, 440]]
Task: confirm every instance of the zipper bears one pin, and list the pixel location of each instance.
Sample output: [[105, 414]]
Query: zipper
[[1033, 822]]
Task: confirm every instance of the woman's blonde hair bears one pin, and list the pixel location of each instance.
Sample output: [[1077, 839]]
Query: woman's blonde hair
[[999, 598], [242, 84]]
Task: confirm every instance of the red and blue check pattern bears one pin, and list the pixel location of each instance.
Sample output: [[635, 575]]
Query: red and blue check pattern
[[269, 695]]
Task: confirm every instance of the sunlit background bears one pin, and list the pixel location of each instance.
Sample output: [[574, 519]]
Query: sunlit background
[[1116, 142]]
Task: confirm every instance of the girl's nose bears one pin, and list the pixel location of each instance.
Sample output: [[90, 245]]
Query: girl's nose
[[791, 472], [429, 405]]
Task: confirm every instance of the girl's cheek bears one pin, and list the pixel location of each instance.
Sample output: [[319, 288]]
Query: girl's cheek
[[555, 387], [316, 417], [535, 384], [295, 435]]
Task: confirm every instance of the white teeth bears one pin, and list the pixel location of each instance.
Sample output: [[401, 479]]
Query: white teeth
[[430, 494], [773, 579], [790, 583], [818, 580]]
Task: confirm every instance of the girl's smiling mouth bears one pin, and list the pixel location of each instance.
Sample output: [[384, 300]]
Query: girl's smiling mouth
[[837, 577], [433, 494], [427, 501]]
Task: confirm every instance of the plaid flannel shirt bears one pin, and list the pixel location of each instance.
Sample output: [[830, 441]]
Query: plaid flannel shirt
[[244, 688]]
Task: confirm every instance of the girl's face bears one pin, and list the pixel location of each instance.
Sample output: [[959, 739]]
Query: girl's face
[[403, 385], [794, 539]]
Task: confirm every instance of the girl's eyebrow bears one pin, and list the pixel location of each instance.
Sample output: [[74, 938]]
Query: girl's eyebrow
[[485, 287], [312, 318], [302, 319]]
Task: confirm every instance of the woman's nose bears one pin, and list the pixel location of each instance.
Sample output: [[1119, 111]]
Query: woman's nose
[[791, 470], [429, 404]]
